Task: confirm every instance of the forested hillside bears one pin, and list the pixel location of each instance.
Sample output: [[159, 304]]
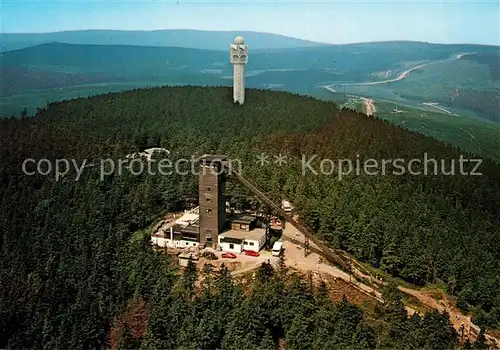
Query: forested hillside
[[70, 262]]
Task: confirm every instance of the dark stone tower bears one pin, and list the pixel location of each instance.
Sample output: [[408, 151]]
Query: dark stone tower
[[211, 188]]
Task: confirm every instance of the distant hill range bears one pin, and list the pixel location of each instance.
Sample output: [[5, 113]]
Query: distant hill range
[[98, 62], [207, 40], [317, 65]]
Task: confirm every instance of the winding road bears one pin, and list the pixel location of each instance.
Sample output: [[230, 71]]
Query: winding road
[[402, 75], [295, 258], [295, 233]]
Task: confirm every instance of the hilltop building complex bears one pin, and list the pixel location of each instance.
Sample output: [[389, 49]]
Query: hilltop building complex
[[207, 225]]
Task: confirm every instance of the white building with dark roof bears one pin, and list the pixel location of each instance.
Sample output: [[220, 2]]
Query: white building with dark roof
[[177, 237], [242, 235]]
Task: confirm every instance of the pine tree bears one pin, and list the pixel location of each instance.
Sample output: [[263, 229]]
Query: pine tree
[[127, 341], [300, 335], [265, 272], [322, 295], [363, 337], [267, 342], [396, 317], [282, 268], [391, 261], [438, 331], [189, 277]]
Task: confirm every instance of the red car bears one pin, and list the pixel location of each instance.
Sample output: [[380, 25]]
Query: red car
[[251, 253], [229, 255]]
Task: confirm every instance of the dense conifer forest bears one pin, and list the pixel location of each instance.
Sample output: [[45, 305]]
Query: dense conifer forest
[[72, 267]]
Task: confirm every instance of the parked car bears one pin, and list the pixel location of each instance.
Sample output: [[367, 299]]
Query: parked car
[[277, 248], [228, 255], [251, 253]]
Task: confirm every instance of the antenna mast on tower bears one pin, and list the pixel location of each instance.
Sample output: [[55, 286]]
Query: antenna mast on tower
[[239, 57]]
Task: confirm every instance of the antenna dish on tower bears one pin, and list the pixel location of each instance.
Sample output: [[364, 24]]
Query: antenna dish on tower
[[239, 40]]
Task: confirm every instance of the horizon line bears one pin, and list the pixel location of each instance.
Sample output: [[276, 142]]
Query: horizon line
[[243, 30]]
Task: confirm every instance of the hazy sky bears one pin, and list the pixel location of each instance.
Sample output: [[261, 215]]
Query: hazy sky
[[325, 21]]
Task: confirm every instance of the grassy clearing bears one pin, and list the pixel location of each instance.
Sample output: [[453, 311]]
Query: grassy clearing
[[385, 276], [414, 303], [474, 135], [465, 85], [471, 134], [140, 235]]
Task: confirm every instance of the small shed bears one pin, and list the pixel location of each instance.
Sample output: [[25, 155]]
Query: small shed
[[242, 222]]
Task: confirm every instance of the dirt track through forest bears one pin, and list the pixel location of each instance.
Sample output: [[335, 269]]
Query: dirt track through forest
[[294, 257]]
